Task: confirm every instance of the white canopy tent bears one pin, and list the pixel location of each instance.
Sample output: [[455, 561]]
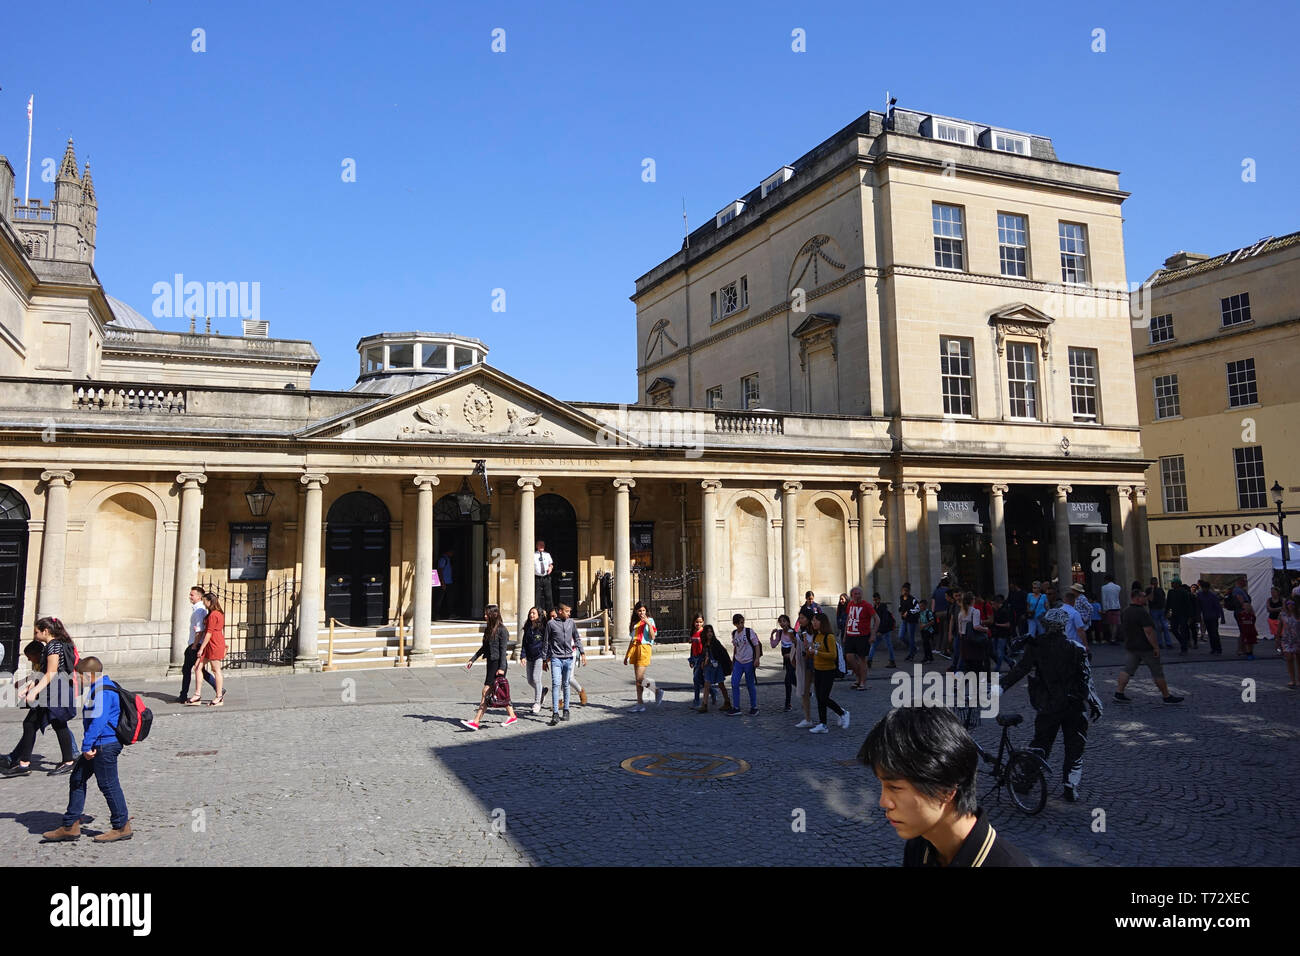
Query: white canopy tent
[[1254, 553]]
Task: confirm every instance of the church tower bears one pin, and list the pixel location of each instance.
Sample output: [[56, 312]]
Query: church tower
[[70, 245]]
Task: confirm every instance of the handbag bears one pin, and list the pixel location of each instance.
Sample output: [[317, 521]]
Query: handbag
[[500, 696], [437, 580]]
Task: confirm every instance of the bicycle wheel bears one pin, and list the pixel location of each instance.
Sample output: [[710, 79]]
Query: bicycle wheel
[[1027, 783]]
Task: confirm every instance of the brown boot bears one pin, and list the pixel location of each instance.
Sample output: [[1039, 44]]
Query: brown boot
[[112, 836], [63, 833], [582, 697]]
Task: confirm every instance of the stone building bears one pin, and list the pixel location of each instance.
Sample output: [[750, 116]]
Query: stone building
[[932, 312], [1218, 395]]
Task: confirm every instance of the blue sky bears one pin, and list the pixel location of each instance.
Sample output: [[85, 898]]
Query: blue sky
[[521, 170]]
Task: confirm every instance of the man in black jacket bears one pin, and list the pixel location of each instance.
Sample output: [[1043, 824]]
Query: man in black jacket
[[1180, 606], [1061, 691]]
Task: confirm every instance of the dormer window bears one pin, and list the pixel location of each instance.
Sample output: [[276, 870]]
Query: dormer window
[[1009, 142], [951, 132], [776, 179], [730, 212]]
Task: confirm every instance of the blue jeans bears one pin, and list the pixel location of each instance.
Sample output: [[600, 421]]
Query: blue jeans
[[1164, 637], [886, 638], [739, 670], [103, 767], [909, 637], [561, 671]]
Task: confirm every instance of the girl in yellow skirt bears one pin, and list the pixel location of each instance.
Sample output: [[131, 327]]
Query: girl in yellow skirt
[[643, 632]]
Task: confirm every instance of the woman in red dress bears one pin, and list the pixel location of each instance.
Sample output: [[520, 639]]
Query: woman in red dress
[[212, 650]]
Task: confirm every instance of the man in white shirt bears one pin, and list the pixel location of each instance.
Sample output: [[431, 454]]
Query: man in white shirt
[[1077, 630], [1110, 608], [542, 568], [198, 626]]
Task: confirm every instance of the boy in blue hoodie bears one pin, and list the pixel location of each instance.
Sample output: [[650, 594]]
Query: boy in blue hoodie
[[100, 749]]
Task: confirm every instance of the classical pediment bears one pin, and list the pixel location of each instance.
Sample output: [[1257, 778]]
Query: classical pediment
[[478, 405], [1021, 318]]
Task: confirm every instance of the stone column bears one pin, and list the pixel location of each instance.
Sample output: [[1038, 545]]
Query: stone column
[[54, 544], [789, 538], [1142, 559], [709, 550], [934, 551], [187, 564], [1064, 562], [527, 593], [309, 605], [883, 579], [422, 576], [998, 539], [868, 507], [909, 508], [622, 557], [1121, 537]]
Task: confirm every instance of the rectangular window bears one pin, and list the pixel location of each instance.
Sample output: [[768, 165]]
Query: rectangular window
[[953, 132], [401, 356], [1022, 379], [1074, 253], [462, 358], [749, 391], [1173, 481], [1011, 144], [1167, 405], [713, 306], [1235, 308], [958, 380], [375, 359], [1251, 492], [949, 236], [1162, 328], [433, 356], [1083, 384], [713, 397], [1013, 244], [1241, 383]]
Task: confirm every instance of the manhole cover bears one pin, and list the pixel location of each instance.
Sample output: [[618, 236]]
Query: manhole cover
[[196, 753], [685, 766]]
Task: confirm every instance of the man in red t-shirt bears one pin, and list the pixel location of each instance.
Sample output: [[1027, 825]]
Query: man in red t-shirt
[[860, 627]]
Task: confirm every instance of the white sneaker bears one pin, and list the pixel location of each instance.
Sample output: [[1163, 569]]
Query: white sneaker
[[804, 723], [819, 729], [844, 720], [537, 709]]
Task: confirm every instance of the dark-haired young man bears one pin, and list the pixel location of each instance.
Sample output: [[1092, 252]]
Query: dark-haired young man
[[926, 763]]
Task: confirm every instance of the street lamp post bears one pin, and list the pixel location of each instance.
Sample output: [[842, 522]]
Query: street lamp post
[[1281, 517]]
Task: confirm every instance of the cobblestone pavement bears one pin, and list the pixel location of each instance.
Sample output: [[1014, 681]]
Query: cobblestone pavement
[[371, 767]]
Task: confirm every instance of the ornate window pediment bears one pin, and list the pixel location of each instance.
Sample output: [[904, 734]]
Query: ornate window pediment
[[1020, 318], [660, 391]]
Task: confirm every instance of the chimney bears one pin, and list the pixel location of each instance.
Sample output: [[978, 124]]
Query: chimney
[[6, 189], [1181, 260]]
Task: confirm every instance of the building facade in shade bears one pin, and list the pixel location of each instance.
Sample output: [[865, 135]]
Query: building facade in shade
[[1218, 395], [963, 289], [942, 290]]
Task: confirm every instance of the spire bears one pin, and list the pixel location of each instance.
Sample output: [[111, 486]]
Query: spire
[[68, 168], [88, 186]]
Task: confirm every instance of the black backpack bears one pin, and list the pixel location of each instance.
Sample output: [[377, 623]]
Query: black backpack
[[134, 720]]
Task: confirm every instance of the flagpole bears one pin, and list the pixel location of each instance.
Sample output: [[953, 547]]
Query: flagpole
[[27, 179]]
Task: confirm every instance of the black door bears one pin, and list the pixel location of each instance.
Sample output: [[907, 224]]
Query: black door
[[13, 574], [464, 533], [356, 561], [557, 525]]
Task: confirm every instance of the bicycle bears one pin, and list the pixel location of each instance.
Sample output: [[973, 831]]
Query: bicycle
[[1023, 772]]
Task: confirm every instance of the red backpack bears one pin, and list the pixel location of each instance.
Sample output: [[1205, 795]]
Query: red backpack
[[134, 719]]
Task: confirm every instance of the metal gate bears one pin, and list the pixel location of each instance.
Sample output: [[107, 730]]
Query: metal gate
[[259, 620], [673, 598]]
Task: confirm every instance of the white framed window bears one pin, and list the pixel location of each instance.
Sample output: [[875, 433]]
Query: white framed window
[[949, 236], [1013, 244], [1009, 143], [730, 299], [1161, 329], [782, 175], [713, 397], [433, 355], [1083, 384], [1022, 379], [1249, 462], [951, 132], [957, 375], [730, 212], [1166, 392], [1241, 383], [401, 356], [749, 391], [1173, 482], [1074, 252], [374, 361], [1235, 308]]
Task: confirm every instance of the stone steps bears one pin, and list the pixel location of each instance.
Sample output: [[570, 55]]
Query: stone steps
[[453, 643]]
